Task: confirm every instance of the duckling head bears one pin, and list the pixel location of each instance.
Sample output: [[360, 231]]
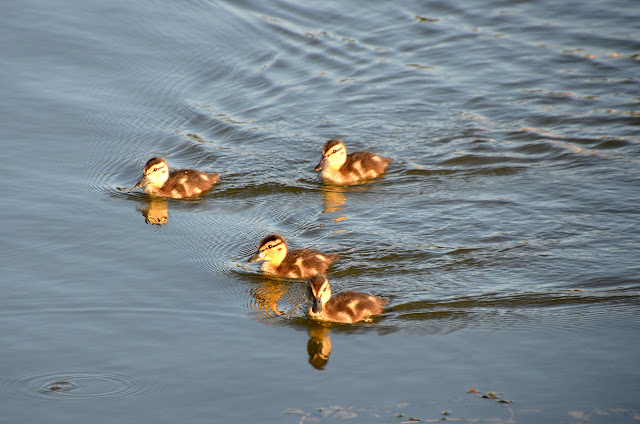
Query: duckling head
[[156, 173], [318, 291], [272, 248], [334, 155]]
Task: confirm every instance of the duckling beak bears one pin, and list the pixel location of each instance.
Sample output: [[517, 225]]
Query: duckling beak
[[322, 164], [316, 306], [143, 181], [256, 257]]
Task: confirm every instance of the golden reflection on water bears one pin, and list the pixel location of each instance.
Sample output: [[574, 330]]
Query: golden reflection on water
[[156, 212], [334, 200], [334, 197], [277, 297], [266, 297]]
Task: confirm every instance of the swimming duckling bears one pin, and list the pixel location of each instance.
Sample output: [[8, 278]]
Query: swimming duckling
[[299, 263], [157, 180], [339, 168], [347, 306]]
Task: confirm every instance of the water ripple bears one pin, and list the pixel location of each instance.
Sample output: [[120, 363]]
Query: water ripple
[[569, 310], [83, 385]]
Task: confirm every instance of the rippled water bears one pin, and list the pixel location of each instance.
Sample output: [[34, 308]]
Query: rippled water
[[504, 234]]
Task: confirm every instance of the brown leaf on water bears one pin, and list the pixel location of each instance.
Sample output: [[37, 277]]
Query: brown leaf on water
[[472, 391]]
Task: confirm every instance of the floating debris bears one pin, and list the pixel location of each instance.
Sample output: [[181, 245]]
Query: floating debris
[[496, 397], [425, 19], [58, 386]]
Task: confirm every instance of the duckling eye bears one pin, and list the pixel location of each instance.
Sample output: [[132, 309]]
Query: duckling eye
[[335, 150], [270, 246], [155, 169]]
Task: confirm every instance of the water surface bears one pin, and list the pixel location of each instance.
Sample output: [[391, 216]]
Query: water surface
[[504, 234]]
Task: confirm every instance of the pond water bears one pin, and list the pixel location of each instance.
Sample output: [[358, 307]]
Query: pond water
[[504, 235]]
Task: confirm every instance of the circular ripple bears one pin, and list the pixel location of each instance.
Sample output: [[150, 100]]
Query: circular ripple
[[82, 386]]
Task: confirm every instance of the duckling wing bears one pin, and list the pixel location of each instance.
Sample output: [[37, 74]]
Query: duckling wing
[[189, 182], [198, 178], [365, 164], [356, 306], [304, 263]]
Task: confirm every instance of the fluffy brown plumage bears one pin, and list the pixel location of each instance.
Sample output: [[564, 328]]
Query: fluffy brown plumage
[[347, 306], [339, 168], [299, 263], [157, 180]]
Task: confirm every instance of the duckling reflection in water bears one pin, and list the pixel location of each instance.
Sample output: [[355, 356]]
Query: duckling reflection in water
[[319, 347], [339, 168], [347, 307], [156, 212], [274, 296], [179, 184], [334, 199], [266, 297], [299, 263]]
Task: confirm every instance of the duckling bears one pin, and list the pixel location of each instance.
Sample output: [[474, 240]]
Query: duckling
[[339, 168], [299, 263], [157, 180], [347, 306]]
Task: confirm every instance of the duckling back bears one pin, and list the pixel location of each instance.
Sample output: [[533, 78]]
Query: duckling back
[[350, 306], [364, 165], [187, 183], [304, 263]]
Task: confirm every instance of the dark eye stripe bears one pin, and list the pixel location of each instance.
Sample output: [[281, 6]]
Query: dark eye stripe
[[155, 169], [271, 246], [334, 151]]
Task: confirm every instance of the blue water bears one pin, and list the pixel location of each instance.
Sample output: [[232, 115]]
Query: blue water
[[504, 234]]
